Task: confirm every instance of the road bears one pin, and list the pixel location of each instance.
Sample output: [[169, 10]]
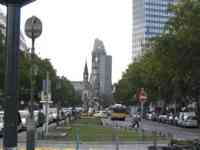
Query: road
[[162, 129], [177, 132]]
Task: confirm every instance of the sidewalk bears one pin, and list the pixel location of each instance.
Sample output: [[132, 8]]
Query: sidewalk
[[72, 146]]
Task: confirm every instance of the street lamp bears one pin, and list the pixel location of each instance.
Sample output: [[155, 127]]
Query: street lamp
[[33, 29], [12, 71]]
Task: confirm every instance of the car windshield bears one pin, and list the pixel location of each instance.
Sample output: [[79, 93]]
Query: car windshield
[[99, 74]]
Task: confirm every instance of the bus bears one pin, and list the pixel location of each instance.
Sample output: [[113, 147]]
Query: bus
[[119, 112]]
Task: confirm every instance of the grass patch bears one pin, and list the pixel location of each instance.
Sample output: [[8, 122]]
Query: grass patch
[[88, 121], [182, 142], [91, 130]]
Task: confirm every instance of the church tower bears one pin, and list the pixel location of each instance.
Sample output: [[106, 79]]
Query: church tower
[[85, 92], [85, 73]]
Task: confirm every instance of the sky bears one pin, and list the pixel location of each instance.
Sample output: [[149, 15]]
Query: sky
[[69, 30]]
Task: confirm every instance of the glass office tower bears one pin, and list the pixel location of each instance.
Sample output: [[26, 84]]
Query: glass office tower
[[149, 19]]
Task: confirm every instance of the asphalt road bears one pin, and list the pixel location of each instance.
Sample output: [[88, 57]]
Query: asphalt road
[[160, 128], [176, 132]]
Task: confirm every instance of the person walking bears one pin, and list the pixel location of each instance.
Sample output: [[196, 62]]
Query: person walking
[[135, 122], [41, 121]]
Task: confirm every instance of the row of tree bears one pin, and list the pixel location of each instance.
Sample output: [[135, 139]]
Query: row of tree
[[61, 88], [169, 68]]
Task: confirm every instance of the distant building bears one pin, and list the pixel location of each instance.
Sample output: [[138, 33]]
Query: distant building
[[86, 89], [78, 86], [96, 88], [149, 19], [100, 78]]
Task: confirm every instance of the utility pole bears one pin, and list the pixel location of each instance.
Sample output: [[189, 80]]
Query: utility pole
[[11, 75]]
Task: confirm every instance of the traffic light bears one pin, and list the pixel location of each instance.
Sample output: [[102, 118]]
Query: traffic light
[[20, 2]]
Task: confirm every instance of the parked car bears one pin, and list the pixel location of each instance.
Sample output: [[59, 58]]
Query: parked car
[[19, 122], [190, 121], [35, 113], [101, 114], [162, 118], [24, 115], [67, 111], [183, 116], [54, 114], [170, 119], [149, 116], [175, 120], [154, 117], [50, 117]]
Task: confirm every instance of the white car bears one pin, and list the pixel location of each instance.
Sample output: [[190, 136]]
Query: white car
[[190, 121], [101, 114], [149, 116], [162, 118], [24, 115]]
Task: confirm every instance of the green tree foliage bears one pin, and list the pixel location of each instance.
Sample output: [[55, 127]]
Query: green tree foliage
[[169, 69], [65, 93], [41, 67]]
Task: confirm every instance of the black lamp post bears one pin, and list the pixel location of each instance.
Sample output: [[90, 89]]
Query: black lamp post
[[11, 75]]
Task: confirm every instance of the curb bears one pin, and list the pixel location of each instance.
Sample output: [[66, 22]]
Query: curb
[[50, 142]]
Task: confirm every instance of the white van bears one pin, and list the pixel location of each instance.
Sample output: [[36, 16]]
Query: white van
[[190, 121], [183, 116]]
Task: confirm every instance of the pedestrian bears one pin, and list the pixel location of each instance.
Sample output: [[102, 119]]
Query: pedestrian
[[135, 122], [41, 118], [41, 121]]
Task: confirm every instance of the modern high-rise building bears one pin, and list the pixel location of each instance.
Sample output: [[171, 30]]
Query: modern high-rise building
[[149, 19]]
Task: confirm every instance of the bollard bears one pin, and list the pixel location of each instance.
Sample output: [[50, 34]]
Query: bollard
[[117, 141], [155, 139], [142, 134]]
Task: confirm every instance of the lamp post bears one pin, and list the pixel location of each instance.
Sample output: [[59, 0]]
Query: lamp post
[[33, 29], [11, 75]]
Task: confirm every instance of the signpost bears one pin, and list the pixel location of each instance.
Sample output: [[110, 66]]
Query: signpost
[[12, 71], [33, 29], [142, 98], [46, 100]]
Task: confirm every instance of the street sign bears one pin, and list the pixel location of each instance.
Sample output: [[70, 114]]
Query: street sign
[[142, 95], [45, 96], [21, 2], [33, 27]]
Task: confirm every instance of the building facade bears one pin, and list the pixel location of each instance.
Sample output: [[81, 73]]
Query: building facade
[[149, 19], [86, 92], [101, 80], [78, 86], [96, 87]]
